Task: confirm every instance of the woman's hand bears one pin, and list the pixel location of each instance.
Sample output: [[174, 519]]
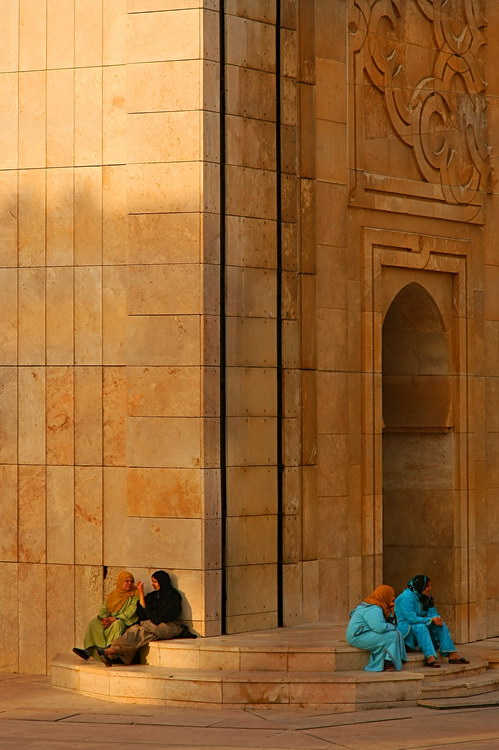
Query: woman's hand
[[140, 589], [106, 621], [437, 620]]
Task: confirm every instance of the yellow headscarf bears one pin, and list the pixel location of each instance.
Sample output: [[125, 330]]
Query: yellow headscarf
[[118, 596], [382, 596]]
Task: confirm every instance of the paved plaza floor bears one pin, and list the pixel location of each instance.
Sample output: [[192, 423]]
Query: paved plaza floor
[[36, 716]]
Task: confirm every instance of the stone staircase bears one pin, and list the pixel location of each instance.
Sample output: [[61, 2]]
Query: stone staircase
[[303, 667]]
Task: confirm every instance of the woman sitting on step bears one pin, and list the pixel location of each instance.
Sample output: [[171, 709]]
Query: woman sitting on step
[[158, 614], [116, 614], [372, 627], [421, 625]]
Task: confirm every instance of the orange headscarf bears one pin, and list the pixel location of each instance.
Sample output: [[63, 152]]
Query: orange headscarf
[[118, 596], [382, 596]]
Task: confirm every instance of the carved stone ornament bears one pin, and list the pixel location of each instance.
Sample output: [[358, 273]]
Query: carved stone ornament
[[423, 58]]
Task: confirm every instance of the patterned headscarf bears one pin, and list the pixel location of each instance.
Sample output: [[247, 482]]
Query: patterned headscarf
[[417, 585], [382, 596]]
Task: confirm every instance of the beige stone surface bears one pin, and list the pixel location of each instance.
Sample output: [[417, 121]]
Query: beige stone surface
[[9, 519], [60, 117], [88, 315], [255, 194], [251, 490], [88, 415], [59, 316], [250, 589], [60, 218], [32, 116], [114, 399], [32, 631], [114, 315], [60, 415], [170, 493], [31, 316], [251, 391], [9, 121], [251, 342], [149, 289], [32, 501], [251, 540], [111, 340], [8, 412], [88, 214], [9, 654], [8, 325], [250, 43], [88, 511], [88, 588], [31, 415], [250, 142], [8, 190], [175, 35], [60, 594], [60, 514], [164, 187], [169, 86], [164, 391], [114, 119], [31, 211], [251, 292]]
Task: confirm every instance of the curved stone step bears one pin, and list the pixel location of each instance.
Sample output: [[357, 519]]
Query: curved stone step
[[476, 684], [207, 654], [472, 701], [337, 691], [450, 671], [230, 653]]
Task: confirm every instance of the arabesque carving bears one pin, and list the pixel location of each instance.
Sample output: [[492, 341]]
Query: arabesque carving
[[440, 115]]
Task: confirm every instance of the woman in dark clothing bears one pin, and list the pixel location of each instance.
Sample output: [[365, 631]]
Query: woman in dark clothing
[[158, 613]]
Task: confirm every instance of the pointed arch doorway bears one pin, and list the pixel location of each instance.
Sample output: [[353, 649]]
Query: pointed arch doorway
[[418, 442]]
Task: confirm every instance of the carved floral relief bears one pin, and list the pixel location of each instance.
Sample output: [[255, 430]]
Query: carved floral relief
[[423, 57]]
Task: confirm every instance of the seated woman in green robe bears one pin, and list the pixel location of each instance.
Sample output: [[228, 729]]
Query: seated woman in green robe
[[118, 612]]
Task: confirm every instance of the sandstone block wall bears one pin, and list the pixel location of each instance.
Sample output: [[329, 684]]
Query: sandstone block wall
[[186, 217]]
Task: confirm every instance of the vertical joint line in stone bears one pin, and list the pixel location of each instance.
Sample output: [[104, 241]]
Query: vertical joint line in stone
[[223, 356], [279, 446]]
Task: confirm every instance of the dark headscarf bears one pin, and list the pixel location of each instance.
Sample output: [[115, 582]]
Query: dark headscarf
[[417, 585], [164, 605], [163, 579]]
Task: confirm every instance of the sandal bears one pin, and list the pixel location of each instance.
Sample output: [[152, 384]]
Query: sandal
[[81, 652], [434, 664], [107, 662], [461, 660]]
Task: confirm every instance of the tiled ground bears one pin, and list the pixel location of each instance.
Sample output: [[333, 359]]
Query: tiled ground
[[35, 716]]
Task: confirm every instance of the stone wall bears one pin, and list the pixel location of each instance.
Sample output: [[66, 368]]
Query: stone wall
[[109, 185], [193, 356]]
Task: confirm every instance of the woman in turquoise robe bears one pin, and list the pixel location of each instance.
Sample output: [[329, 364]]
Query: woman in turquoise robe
[[372, 628], [118, 612], [421, 625]]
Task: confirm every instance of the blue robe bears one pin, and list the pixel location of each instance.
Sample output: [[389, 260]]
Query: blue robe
[[369, 630], [417, 628]]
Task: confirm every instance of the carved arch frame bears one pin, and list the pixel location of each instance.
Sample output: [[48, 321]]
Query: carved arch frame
[[383, 252]]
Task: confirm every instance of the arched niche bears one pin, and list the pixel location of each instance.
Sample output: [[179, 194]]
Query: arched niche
[[417, 440], [415, 351]]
